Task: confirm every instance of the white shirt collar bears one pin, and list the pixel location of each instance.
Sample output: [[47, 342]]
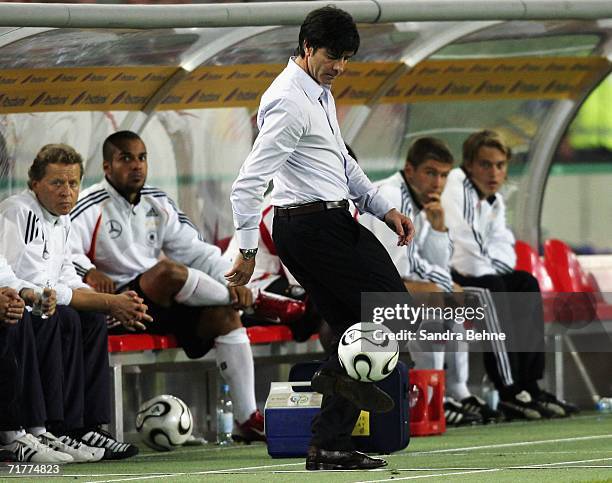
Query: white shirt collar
[[114, 193], [47, 215], [312, 88]]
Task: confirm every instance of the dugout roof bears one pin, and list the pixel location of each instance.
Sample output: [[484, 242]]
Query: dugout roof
[[523, 78]]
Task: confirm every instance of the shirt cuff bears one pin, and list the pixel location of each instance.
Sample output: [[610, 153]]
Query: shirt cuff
[[442, 235], [380, 206], [64, 294], [79, 284], [21, 284], [248, 239], [82, 269]]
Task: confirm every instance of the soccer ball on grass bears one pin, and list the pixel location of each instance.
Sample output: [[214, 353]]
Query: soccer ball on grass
[[164, 422]]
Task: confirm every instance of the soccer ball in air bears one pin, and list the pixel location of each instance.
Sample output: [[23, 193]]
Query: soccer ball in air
[[367, 353], [164, 422]]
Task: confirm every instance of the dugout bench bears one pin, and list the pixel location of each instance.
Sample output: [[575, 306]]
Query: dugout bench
[[274, 344], [270, 344]]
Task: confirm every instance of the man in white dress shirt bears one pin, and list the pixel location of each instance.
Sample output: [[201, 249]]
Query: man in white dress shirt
[[35, 235], [301, 147]]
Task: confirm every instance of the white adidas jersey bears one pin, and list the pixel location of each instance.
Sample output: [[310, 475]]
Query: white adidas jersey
[[9, 279], [124, 240], [36, 245], [483, 243], [427, 257]]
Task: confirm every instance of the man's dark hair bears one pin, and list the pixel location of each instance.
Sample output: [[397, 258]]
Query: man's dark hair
[[428, 148], [114, 140], [485, 138], [53, 154], [330, 28]]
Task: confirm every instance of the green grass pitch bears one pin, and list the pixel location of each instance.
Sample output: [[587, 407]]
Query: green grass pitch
[[576, 449]]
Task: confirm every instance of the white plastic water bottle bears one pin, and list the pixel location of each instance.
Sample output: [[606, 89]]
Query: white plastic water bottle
[[489, 393], [37, 308], [225, 417]]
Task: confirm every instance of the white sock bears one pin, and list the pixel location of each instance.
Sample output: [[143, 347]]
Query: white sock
[[201, 289], [458, 390], [235, 361], [8, 437], [457, 373], [37, 430], [428, 360]]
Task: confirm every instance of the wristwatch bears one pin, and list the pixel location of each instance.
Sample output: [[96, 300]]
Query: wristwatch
[[248, 253]]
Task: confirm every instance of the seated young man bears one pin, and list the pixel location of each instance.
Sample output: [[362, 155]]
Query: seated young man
[[121, 228], [424, 265], [484, 257], [34, 237]]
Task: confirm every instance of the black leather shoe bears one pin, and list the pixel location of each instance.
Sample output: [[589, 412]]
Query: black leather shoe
[[321, 459], [364, 395]]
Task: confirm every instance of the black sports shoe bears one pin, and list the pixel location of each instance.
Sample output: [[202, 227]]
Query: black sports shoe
[[551, 399], [457, 415], [519, 406], [548, 409], [364, 395], [114, 450], [476, 405]]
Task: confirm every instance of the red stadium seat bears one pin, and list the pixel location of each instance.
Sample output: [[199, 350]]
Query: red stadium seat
[[144, 342], [564, 268], [140, 342], [568, 276], [529, 261]]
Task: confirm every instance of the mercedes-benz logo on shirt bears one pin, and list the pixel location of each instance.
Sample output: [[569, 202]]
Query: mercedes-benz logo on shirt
[[152, 238], [114, 228]]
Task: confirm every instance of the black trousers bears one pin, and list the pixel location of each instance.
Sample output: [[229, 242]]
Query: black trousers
[[523, 320], [72, 349], [335, 259], [48, 336], [21, 394], [96, 369], [73, 370]]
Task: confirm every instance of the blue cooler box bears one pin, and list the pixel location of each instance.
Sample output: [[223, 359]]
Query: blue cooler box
[[291, 406], [288, 413]]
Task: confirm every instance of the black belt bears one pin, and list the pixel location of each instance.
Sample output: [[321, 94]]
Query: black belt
[[306, 209]]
